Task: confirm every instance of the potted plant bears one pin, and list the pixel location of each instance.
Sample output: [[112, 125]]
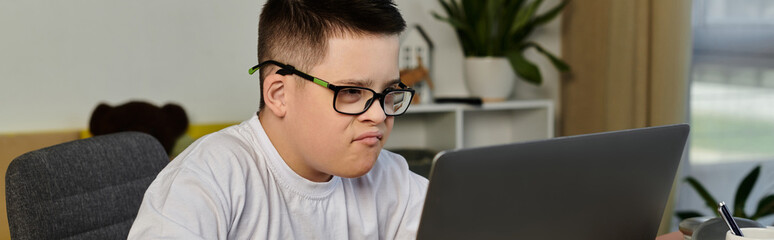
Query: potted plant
[[494, 35], [765, 205]]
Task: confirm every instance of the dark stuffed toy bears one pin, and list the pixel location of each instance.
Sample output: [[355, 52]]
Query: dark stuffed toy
[[166, 124]]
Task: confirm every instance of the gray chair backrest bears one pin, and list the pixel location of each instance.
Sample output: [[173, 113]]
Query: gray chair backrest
[[85, 189]]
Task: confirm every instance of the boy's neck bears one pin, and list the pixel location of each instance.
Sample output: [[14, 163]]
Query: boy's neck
[[274, 128]]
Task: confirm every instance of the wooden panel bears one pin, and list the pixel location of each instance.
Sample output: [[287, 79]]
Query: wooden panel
[[585, 43], [607, 43], [641, 72], [629, 64]]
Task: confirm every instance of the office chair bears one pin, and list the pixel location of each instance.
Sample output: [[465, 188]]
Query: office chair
[[85, 189]]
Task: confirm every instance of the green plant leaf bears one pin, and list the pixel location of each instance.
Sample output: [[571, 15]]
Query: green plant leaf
[[453, 10], [765, 207], [709, 201], [447, 8], [470, 7], [743, 191], [558, 63], [492, 17], [473, 14], [453, 21], [464, 31], [471, 10], [480, 36], [682, 215], [510, 9], [518, 4], [524, 68], [550, 15], [493, 11], [455, 6], [523, 17]]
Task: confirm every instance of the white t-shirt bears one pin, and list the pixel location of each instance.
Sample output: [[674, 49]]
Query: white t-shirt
[[233, 184]]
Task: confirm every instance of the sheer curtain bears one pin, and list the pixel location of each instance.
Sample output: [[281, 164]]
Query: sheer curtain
[[731, 100]]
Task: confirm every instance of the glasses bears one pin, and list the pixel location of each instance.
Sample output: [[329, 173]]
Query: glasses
[[352, 100]]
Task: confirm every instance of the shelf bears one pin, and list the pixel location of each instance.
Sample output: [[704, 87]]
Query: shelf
[[452, 126]]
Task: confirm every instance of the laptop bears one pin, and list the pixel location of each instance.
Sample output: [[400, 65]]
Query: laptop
[[611, 185]]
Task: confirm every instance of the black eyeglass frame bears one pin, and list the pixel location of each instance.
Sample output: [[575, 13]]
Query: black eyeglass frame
[[286, 69]]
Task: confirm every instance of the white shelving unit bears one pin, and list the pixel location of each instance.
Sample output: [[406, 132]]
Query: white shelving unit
[[453, 126]]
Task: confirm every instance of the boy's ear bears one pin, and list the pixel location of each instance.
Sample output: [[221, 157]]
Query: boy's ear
[[274, 88]]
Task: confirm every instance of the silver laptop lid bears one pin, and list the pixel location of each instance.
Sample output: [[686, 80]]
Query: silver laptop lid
[[611, 185]]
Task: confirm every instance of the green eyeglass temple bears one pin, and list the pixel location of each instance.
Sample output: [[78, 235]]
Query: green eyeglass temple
[[289, 69]]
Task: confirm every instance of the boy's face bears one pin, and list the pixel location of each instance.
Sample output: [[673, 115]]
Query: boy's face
[[330, 143]]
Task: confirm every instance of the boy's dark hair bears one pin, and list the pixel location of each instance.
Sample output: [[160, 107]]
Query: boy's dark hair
[[296, 32]]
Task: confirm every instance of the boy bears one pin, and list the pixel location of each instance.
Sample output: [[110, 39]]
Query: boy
[[310, 165]]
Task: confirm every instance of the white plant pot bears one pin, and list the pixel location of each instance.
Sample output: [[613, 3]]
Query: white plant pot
[[490, 78]]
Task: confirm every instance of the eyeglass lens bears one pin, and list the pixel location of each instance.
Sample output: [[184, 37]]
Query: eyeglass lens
[[356, 101]]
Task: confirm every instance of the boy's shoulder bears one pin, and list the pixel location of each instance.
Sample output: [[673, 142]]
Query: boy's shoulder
[[234, 139], [231, 149]]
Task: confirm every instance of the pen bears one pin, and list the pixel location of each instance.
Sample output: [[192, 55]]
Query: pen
[[729, 219]]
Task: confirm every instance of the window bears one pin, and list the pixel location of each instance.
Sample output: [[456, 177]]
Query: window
[[732, 81]]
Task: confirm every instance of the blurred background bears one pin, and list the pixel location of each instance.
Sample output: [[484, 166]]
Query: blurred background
[[634, 63]]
